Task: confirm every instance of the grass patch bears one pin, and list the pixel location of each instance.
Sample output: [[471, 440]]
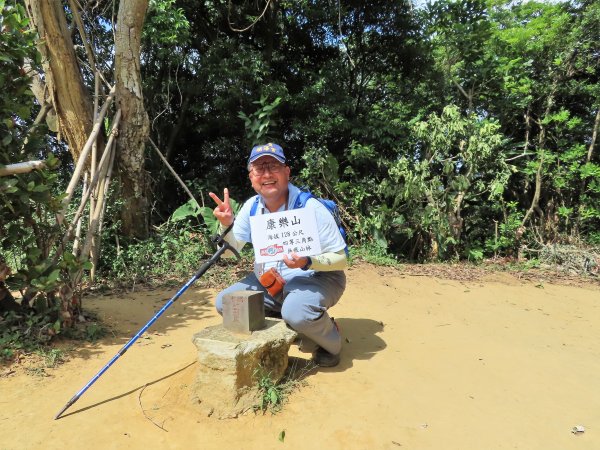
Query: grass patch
[[54, 357], [33, 334], [274, 395], [373, 254]]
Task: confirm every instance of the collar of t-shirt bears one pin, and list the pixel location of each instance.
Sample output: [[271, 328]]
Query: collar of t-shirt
[[293, 193]]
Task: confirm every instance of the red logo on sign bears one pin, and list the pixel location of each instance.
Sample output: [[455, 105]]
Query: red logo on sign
[[271, 250]]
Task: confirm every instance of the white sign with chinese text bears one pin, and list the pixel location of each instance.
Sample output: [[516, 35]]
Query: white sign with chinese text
[[280, 233]]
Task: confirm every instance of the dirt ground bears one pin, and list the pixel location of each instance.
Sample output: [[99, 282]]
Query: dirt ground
[[476, 361]]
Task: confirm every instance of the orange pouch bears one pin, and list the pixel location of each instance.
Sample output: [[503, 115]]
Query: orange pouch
[[272, 281]]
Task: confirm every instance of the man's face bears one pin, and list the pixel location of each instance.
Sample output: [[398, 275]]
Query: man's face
[[269, 177]]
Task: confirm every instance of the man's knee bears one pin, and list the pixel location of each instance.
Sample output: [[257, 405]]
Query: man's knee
[[219, 303], [300, 316]]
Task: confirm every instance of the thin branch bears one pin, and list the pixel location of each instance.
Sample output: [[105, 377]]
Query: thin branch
[[537, 193], [251, 25], [518, 156], [24, 167], [93, 183], [340, 34], [594, 135], [462, 90], [144, 411], [164, 160], [77, 240], [41, 116], [84, 153], [88, 48], [96, 254], [177, 128], [94, 158], [89, 247]]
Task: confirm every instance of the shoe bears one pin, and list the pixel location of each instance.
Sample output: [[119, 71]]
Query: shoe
[[323, 358]]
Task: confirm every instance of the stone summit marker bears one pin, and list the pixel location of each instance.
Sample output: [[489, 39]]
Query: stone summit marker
[[244, 311], [234, 354]]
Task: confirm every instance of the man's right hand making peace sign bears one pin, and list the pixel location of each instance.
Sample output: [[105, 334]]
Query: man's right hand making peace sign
[[223, 211]]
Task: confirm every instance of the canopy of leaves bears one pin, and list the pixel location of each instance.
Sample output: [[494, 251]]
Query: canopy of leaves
[[454, 129]]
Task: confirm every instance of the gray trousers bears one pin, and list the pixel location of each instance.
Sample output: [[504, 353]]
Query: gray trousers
[[306, 299]]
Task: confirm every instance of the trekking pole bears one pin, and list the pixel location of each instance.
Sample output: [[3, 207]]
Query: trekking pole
[[223, 247]]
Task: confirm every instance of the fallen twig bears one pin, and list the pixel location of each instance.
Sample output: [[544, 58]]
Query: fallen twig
[[144, 411]]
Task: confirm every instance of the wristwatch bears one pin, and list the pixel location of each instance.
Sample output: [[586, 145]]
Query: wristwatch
[[308, 263]]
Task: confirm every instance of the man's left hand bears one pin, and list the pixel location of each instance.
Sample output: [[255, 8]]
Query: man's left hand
[[295, 261]]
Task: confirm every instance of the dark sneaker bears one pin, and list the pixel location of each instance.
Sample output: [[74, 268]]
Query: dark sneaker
[[323, 358]]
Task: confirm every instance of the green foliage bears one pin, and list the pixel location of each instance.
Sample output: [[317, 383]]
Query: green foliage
[[430, 126], [509, 232], [258, 123], [91, 330], [23, 332], [374, 254], [321, 164], [175, 250], [475, 255], [458, 161], [30, 236], [192, 209], [17, 43], [271, 394], [94, 331], [594, 238], [54, 357], [166, 25], [29, 332]]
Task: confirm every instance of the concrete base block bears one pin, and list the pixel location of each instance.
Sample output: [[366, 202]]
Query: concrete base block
[[226, 385]]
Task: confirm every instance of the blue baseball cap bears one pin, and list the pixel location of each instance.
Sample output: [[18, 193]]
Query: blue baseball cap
[[269, 149]]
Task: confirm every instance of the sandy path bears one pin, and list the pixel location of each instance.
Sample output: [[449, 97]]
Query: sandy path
[[455, 365]]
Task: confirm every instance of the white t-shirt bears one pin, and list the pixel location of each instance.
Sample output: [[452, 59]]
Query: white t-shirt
[[329, 235]]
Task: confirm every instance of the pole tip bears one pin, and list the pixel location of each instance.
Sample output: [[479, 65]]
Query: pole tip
[[62, 411], [68, 405]]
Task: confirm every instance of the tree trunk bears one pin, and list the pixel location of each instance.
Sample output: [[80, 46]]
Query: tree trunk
[[7, 302], [455, 220], [270, 31], [527, 118], [177, 128], [594, 135], [63, 77], [38, 87], [584, 182], [136, 128], [535, 202], [541, 146]]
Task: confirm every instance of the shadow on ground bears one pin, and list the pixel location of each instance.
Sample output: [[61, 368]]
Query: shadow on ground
[[359, 341], [126, 315], [124, 394]]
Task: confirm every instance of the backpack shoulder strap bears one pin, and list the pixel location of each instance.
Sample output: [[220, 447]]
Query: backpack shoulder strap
[[254, 206], [302, 198]]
